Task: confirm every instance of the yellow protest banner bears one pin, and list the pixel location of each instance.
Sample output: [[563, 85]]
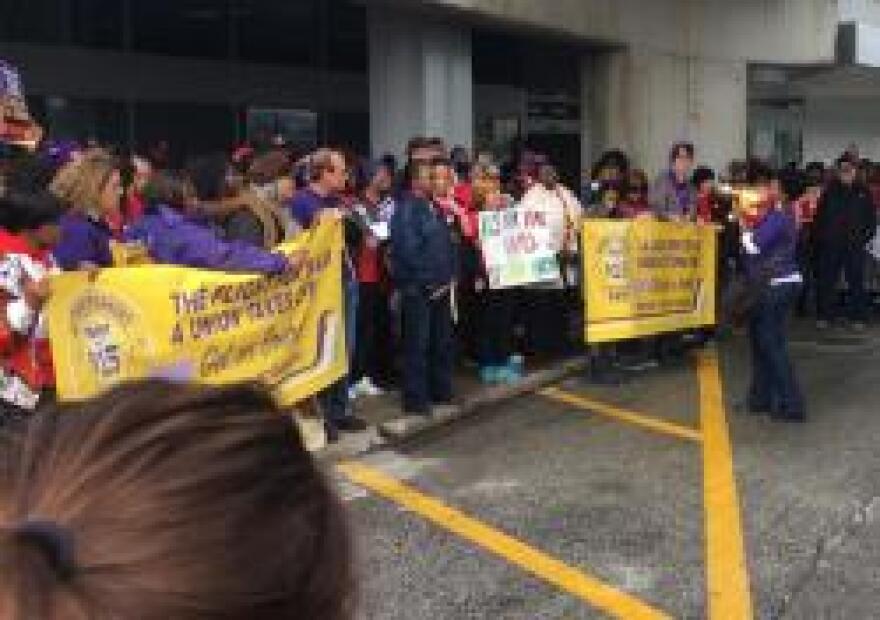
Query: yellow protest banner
[[644, 278], [207, 327]]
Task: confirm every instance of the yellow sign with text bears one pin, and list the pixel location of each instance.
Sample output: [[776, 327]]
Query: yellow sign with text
[[191, 325], [644, 278]]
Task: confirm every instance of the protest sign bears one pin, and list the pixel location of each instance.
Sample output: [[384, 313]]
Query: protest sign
[[190, 325], [645, 278], [518, 247]]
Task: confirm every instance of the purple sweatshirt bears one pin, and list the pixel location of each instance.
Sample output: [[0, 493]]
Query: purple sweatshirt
[[173, 239], [776, 240], [83, 240]]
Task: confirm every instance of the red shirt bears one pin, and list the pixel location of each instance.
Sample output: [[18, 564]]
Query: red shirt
[[28, 356], [134, 208], [705, 208], [369, 259], [805, 209]]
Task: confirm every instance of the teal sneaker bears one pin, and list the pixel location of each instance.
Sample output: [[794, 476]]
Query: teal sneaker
[[489, 374], [509, 374]]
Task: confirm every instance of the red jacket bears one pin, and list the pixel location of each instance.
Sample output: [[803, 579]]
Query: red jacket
[[24, 346]]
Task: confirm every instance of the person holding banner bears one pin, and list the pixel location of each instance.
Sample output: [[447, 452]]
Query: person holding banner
[[329, 175], [91, 186], [28, 230], [673, 196], [172, 237], [769, 243]]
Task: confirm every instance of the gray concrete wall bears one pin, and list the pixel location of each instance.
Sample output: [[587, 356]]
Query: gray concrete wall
[[796, 31]]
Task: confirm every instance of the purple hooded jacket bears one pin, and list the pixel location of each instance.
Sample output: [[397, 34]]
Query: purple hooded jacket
[[173, 239]]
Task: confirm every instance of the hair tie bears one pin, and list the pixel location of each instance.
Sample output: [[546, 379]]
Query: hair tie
[[54, 541]]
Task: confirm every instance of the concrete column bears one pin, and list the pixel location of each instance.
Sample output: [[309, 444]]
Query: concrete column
[[421, 81], [646, 100]]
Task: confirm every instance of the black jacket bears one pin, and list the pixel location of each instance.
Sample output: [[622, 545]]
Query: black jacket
[[846, 216]]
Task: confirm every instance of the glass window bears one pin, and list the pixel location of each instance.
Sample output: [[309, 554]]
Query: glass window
[[97, 23], [299, 128], [498, 58], [81, 119], [196, 28], [33, 21], [88, 23], [279, 31], [189, 129], [350, 130], [347, 37]]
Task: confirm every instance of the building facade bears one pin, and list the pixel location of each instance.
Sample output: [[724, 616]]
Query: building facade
[[786, 80]]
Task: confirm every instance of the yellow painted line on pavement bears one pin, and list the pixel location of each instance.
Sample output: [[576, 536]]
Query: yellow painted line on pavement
[[729, 595], [598, 594], [624, 415]]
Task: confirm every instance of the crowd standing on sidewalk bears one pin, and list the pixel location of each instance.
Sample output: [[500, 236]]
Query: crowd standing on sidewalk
[[417, 298]]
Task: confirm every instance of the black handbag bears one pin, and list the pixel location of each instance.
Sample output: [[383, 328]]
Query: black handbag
[[746, 290]]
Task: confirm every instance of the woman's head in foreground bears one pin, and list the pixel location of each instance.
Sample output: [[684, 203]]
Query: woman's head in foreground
[[165, 501]]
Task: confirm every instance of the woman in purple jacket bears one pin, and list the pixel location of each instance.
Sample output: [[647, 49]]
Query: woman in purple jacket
[[769, 247], [90, 187], [172, 236]]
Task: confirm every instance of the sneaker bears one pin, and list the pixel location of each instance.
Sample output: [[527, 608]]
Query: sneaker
[[489, 375], [366, 387], [822, 325], [859, 326], [509, 374], [351, 424]]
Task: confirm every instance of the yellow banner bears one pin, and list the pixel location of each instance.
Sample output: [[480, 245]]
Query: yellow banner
[[285, 331], [644, 278]]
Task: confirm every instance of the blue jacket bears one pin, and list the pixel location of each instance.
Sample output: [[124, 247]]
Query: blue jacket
[[83, 240], [422, 252], [775, 238], [173, 239]]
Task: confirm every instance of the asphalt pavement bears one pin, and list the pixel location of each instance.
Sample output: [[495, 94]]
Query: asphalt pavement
[[588, 502]]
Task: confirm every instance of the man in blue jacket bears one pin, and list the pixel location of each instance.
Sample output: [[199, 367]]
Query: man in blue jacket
[[423, 264]]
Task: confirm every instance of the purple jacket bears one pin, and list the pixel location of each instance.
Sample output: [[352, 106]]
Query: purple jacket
[[173, 239], [83, 240], [671, 199], [775, 238]]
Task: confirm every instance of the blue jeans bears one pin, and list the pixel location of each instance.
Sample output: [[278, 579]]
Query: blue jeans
[[774, 386], [334, 399], [427, 349]]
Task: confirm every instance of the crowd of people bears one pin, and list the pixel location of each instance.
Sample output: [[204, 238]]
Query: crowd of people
[[417, 296]]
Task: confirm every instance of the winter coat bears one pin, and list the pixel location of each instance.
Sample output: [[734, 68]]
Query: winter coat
[[172, 238], [771, 247], [252, 219], [672, 200], [25, 355], [846, 216], [422, 250]]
